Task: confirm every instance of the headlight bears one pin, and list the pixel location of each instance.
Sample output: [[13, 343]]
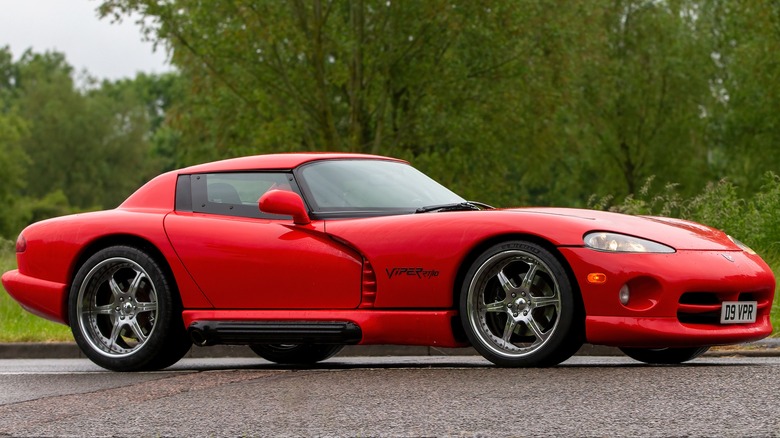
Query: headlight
[[742, 246], [614, 242]]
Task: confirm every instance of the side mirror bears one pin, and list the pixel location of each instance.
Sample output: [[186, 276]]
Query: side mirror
[[286, 203]]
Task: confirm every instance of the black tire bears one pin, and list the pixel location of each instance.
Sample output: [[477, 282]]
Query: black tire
[[519, 308], [125, 313], [664, 356], [295, 354]]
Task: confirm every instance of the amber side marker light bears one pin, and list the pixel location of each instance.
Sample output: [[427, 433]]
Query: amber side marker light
[[597, 278], [21, 244]]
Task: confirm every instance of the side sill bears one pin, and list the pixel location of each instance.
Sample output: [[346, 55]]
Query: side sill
[[205, 333]]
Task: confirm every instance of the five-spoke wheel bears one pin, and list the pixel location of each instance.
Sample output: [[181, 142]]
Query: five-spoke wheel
[[123, 313], [518, 306]]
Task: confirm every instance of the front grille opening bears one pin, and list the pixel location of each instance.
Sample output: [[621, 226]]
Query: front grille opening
[[700, 308], [705, 307], [699, 318], [748, 296], [699, 298]]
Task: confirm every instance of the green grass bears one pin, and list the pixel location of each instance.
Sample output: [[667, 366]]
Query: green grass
[[775, 315], [18, 325]]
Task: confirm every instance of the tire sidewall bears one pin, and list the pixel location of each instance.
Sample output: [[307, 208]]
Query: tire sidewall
[[155, 343], [555, 349]]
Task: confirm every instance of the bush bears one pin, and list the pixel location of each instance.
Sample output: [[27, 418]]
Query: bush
[[6, 247], [20, 212]]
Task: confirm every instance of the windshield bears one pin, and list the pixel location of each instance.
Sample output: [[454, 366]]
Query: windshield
[[370, 186]]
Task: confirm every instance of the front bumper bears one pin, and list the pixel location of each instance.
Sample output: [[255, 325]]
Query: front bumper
[[644, 332], [675, 298]]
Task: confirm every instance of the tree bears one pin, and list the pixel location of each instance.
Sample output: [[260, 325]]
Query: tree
[[13, 166], [744, 131], [533, 101], [65, 149], [92, 145], [156, 95], [404, 78], [13, 160]]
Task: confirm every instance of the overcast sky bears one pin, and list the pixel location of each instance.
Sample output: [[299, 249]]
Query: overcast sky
[[106, 50]]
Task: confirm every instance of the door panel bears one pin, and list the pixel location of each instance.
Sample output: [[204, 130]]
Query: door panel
[[246, 263]]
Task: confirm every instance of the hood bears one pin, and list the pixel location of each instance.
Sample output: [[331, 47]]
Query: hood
[[677, 233]]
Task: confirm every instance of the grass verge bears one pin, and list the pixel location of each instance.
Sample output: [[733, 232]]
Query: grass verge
[[775, 315], [18, 325]]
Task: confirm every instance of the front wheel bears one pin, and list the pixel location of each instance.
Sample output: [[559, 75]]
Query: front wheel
[[295, 354], [664, 356], [124, 313], [518, 307]]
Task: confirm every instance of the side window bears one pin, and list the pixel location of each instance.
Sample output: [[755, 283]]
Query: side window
[[236, 194]]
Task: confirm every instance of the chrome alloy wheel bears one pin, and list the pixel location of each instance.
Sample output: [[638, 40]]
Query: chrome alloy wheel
[[513, 304], [117, 307]]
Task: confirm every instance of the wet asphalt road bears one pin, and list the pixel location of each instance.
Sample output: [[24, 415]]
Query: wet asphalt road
[[393, 396]]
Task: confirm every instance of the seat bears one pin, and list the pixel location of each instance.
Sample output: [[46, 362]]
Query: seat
[[223, 193]]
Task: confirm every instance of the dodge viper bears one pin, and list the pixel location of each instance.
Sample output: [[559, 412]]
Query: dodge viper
[[297, 255]]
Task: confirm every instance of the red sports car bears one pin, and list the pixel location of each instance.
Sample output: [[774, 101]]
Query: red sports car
[[358, 249]]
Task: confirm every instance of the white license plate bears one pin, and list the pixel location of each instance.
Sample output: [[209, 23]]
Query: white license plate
[[738, 312]]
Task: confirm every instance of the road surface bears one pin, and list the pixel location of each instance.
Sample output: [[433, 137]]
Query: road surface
[[393, 396]]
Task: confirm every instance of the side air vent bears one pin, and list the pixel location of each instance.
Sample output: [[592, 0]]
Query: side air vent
[[368, 285]]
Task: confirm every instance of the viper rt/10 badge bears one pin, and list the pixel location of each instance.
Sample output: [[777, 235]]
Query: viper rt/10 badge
[[412, 272]]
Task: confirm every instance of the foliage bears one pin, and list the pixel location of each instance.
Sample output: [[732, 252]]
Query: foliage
[[404, 79], [65, 149], [744, 134], [79, 140], [515, 102], [555, 99], [13, 167]]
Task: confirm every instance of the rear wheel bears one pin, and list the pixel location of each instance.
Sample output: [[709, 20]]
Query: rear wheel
[[124, 313], [518, 307], [667, 356], [295, 354]]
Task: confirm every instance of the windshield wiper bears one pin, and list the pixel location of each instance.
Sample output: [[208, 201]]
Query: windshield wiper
[[460, 206]]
